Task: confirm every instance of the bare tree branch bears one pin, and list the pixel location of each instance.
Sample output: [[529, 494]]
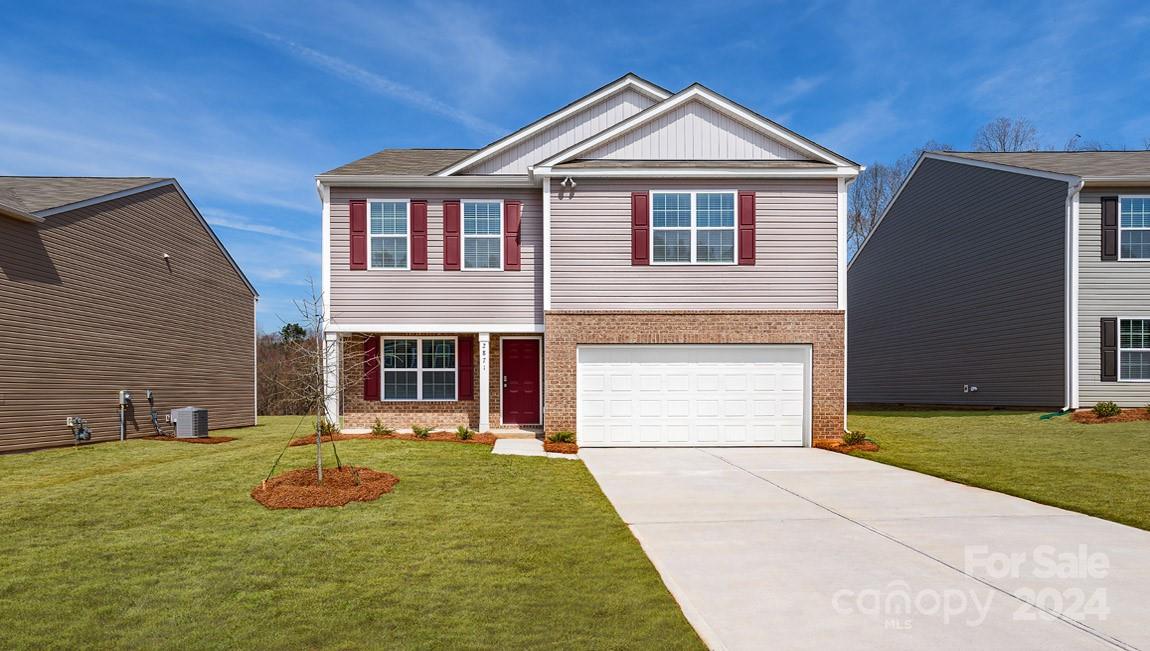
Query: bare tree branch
[[1006, 134]]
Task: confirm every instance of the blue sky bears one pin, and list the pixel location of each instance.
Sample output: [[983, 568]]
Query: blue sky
[[245, 102]]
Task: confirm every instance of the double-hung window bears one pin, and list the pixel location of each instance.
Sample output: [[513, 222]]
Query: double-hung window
[[693, 227], [1134, 228], [1134, 350], [419, 369], [388, 234], [482, 234]]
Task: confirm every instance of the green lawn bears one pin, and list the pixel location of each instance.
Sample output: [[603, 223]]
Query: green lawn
[[1102, 470], [157, 544]]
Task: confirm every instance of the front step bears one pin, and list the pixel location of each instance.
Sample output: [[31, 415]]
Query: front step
[[517, 432]]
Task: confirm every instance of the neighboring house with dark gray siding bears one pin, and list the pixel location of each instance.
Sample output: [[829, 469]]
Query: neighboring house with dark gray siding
[[111, 284], [994, 279]]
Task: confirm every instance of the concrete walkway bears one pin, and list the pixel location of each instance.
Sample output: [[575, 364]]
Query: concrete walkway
[[808, 549]]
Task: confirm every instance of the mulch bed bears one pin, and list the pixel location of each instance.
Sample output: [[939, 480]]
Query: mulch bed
[[199, 439], [561, 448], [482, 439], [1088, 417], [839, 446], [298, 489]]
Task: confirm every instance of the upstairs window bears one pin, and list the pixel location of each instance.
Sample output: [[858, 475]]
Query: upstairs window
[[388, 234], [1134, 228], [419, 369], [482, 234], [1134, 350], [693, 227]]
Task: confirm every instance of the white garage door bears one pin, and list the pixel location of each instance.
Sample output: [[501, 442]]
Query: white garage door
[[693, 395]]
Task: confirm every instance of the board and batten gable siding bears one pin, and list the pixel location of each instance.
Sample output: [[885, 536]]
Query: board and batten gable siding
[[1106, 288], [962, 284], [578, 127], [796, 245], [694, 131], [91, 307], [397, 297]]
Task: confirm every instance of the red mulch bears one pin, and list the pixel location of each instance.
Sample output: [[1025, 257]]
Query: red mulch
[[1088, 417], [199, 439], [839, 446], [298, 489], [482, 439], [561, 448]]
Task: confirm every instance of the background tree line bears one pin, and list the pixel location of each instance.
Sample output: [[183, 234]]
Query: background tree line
[[280, 368], [877, 184]]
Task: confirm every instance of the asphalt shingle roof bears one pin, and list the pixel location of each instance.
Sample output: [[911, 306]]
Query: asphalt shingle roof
[[1087, 164], [31, 194], [415, 162]]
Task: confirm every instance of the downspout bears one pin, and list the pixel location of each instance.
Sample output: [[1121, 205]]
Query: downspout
[[1072, 205]]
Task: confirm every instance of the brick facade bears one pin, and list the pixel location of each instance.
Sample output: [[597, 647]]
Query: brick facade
[[358, 412], [822, 329]]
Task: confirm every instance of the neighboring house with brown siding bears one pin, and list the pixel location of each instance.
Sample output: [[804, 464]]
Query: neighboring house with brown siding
[[111, 284], [1007, 279], [640, 267]]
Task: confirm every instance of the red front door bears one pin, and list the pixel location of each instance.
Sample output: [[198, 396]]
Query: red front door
[[521, 381]]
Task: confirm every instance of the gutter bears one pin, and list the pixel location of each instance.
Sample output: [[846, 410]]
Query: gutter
[[1073, 194]]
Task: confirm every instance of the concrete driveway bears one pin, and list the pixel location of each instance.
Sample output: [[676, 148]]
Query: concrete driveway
[[808, 549]]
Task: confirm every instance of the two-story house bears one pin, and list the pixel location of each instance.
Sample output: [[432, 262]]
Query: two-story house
[[1006, 279], [641, 267]]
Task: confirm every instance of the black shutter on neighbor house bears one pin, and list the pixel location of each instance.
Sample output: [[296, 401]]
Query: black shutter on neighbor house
[[1109, 228], [1109, 350]]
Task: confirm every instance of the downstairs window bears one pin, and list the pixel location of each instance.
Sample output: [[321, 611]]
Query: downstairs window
[[422, 369], [1134, 350]]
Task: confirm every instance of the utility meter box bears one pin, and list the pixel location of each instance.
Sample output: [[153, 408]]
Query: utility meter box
[[190, 422]]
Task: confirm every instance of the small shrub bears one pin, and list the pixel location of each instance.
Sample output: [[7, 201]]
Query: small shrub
[[854, 438], [379, 429], [327, 428], [420, 431], [463, 432], [561, 437], [1106, 409], [1147, 407]]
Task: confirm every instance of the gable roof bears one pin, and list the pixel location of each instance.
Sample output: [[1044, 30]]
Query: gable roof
[[1090, 165], [698, 92], [629, 80], [400, 162], [39, 197]]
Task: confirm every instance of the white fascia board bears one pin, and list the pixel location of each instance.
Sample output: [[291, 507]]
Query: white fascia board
[[1118, 180], [144, 188], [526, 132], [411, 181], [718, 172], [696, 92], [435, 328]]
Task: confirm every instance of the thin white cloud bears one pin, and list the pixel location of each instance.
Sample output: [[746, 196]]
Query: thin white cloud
[[799, 87], [383, 86], [233, 221]]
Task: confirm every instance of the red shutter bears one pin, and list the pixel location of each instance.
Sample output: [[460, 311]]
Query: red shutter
[[371, 368], [466, 380], [358, 211], [1109, 228], [419, 234], [512, 216], [640, 229], [451, 235], [747, 228]]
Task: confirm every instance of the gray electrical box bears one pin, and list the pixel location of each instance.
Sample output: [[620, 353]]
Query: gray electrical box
[[190, 422]]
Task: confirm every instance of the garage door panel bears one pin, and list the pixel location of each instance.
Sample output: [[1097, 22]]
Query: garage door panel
[[655, 395]]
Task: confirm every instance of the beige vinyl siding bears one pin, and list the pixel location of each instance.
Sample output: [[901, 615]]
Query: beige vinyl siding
[[578, 127], [694, 131], [1106, 288], [796, 239], [438, 296], [90, 307], [963, 283]]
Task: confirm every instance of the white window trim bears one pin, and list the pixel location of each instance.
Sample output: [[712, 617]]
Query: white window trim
[[407, 208], [463, 236], [694, 228], [418, 370], [1129, 350], [1120, 229]]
